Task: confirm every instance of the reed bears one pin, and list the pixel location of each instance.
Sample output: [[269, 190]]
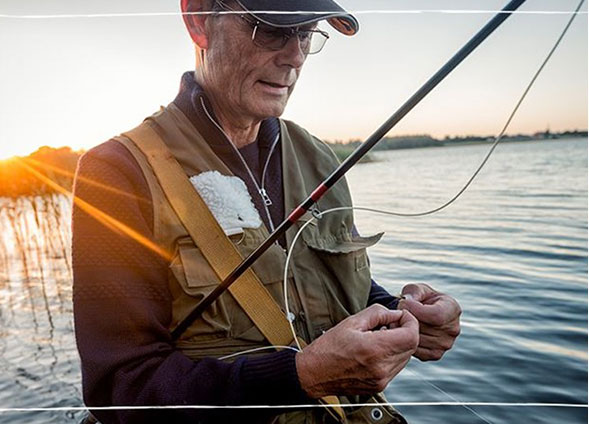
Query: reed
[[37, 342], [33, 220], [36, 278]]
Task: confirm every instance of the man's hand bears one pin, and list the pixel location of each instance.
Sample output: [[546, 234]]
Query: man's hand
[[360, 355], [439, 319]]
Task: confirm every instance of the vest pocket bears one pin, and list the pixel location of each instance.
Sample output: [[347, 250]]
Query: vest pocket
[[196, 279], [344, 243], [346, 278], [225, 319]]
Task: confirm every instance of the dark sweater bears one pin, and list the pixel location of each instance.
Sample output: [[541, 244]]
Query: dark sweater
[[122, 304]]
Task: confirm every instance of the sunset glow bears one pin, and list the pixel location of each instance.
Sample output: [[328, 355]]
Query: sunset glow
[[80, 81]]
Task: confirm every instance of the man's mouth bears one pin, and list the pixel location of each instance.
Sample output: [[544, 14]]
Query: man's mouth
[[273, 88], [271, 84]]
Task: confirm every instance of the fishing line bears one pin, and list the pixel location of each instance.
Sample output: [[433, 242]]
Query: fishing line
[[448, 395], [498, 138], [290, 316], [253, 350], [273, 12], [292, 406], [319, 215]]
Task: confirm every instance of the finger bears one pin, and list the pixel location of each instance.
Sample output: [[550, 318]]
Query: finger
[[408, 320], [417, 291], [373, 317], [451, 328], [400, 339], [438, 314], [395, 341], [426, 354], [394, 325], [440, 342]]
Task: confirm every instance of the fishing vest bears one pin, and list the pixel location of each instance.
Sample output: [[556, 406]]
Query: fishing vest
[[328, 274]]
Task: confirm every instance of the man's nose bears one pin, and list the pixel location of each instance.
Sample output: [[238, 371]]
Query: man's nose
[[292, 53]]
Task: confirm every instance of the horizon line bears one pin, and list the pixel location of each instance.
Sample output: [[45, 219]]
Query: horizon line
[[341, 141]]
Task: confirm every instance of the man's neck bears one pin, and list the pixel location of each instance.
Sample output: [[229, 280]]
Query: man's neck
[[240, 133], [240, 130]]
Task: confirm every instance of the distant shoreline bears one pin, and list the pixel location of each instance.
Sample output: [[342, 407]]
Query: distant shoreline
[[511, 140], [59, 164], [342, 149]]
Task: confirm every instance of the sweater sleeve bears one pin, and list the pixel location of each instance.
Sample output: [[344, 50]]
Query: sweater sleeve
[[122, 309], [379, 295]]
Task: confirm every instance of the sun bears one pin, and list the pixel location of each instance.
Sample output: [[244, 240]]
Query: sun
[[8, 152], [10, 149], [5, 158]]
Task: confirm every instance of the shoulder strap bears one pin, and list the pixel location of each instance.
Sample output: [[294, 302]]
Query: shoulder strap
[[210, 238], [214, 244]]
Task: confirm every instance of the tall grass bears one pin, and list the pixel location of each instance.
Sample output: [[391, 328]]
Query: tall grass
[[37, 348], [35, 253], [34, 223]]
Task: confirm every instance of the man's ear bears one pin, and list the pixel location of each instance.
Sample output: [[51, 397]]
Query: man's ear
[[195, 23]]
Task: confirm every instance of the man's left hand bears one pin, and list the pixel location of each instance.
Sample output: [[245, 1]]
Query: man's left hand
[[439, 319]]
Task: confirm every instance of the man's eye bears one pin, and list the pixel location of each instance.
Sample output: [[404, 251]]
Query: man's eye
[[270, 32], [305, 35]]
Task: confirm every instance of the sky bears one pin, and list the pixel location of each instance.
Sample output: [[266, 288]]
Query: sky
[[79, 81]]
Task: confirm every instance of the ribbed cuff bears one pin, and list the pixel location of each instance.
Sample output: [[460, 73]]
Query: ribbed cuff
[[272, 380]]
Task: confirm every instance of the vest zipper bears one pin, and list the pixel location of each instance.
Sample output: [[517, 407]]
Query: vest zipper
[[265, 197], [266, 201], [303, 328]]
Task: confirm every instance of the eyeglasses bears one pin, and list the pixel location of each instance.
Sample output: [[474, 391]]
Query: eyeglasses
[[275, 38]]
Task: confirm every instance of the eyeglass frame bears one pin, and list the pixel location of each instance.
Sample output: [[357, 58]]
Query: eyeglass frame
[[286, 32]]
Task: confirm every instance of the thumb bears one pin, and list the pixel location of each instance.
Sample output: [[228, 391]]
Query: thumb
[[411, 305], [417, 291], [432, 314], [373, 317]]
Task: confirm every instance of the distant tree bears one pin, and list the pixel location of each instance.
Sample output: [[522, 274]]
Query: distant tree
[[20, 176]]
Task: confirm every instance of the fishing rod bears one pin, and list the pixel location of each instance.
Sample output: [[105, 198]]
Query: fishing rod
[[348, 163]]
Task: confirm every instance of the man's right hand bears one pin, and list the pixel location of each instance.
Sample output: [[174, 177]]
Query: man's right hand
[[356, 357]]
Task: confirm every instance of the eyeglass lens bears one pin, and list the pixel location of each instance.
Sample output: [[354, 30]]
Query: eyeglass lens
[[276, 38]]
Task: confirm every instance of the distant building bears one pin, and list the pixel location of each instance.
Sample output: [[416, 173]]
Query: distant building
[[545, 135]]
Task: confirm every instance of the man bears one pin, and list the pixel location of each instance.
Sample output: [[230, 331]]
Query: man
[[129, 294]]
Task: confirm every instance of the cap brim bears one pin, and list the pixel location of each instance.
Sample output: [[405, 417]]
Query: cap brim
[[292, 13]]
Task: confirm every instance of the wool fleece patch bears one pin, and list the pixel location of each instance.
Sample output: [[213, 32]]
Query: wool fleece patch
[[229, 200]]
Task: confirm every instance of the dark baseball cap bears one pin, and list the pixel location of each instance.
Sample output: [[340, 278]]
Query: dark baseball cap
[[301, 12]]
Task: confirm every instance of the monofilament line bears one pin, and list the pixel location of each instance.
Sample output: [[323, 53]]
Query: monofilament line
[[497, 139], [450, 396], [294, 406], [434, 210], [289, 314], [423, 403], [273, 12]]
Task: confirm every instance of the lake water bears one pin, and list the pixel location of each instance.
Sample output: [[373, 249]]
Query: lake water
[[512, 250]]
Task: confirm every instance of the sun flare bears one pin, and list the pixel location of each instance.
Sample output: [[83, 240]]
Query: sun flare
[[5, 156]]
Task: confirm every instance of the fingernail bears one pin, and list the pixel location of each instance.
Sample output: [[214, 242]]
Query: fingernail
[[408, 297]]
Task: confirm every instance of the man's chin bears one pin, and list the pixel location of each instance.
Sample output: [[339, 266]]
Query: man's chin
[[271, 111]]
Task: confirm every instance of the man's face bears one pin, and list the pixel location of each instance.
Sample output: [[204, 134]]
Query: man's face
[[247, 81]]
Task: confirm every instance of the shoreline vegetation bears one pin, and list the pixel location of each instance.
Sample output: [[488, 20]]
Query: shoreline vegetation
[[28, 176], [344, 149]]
